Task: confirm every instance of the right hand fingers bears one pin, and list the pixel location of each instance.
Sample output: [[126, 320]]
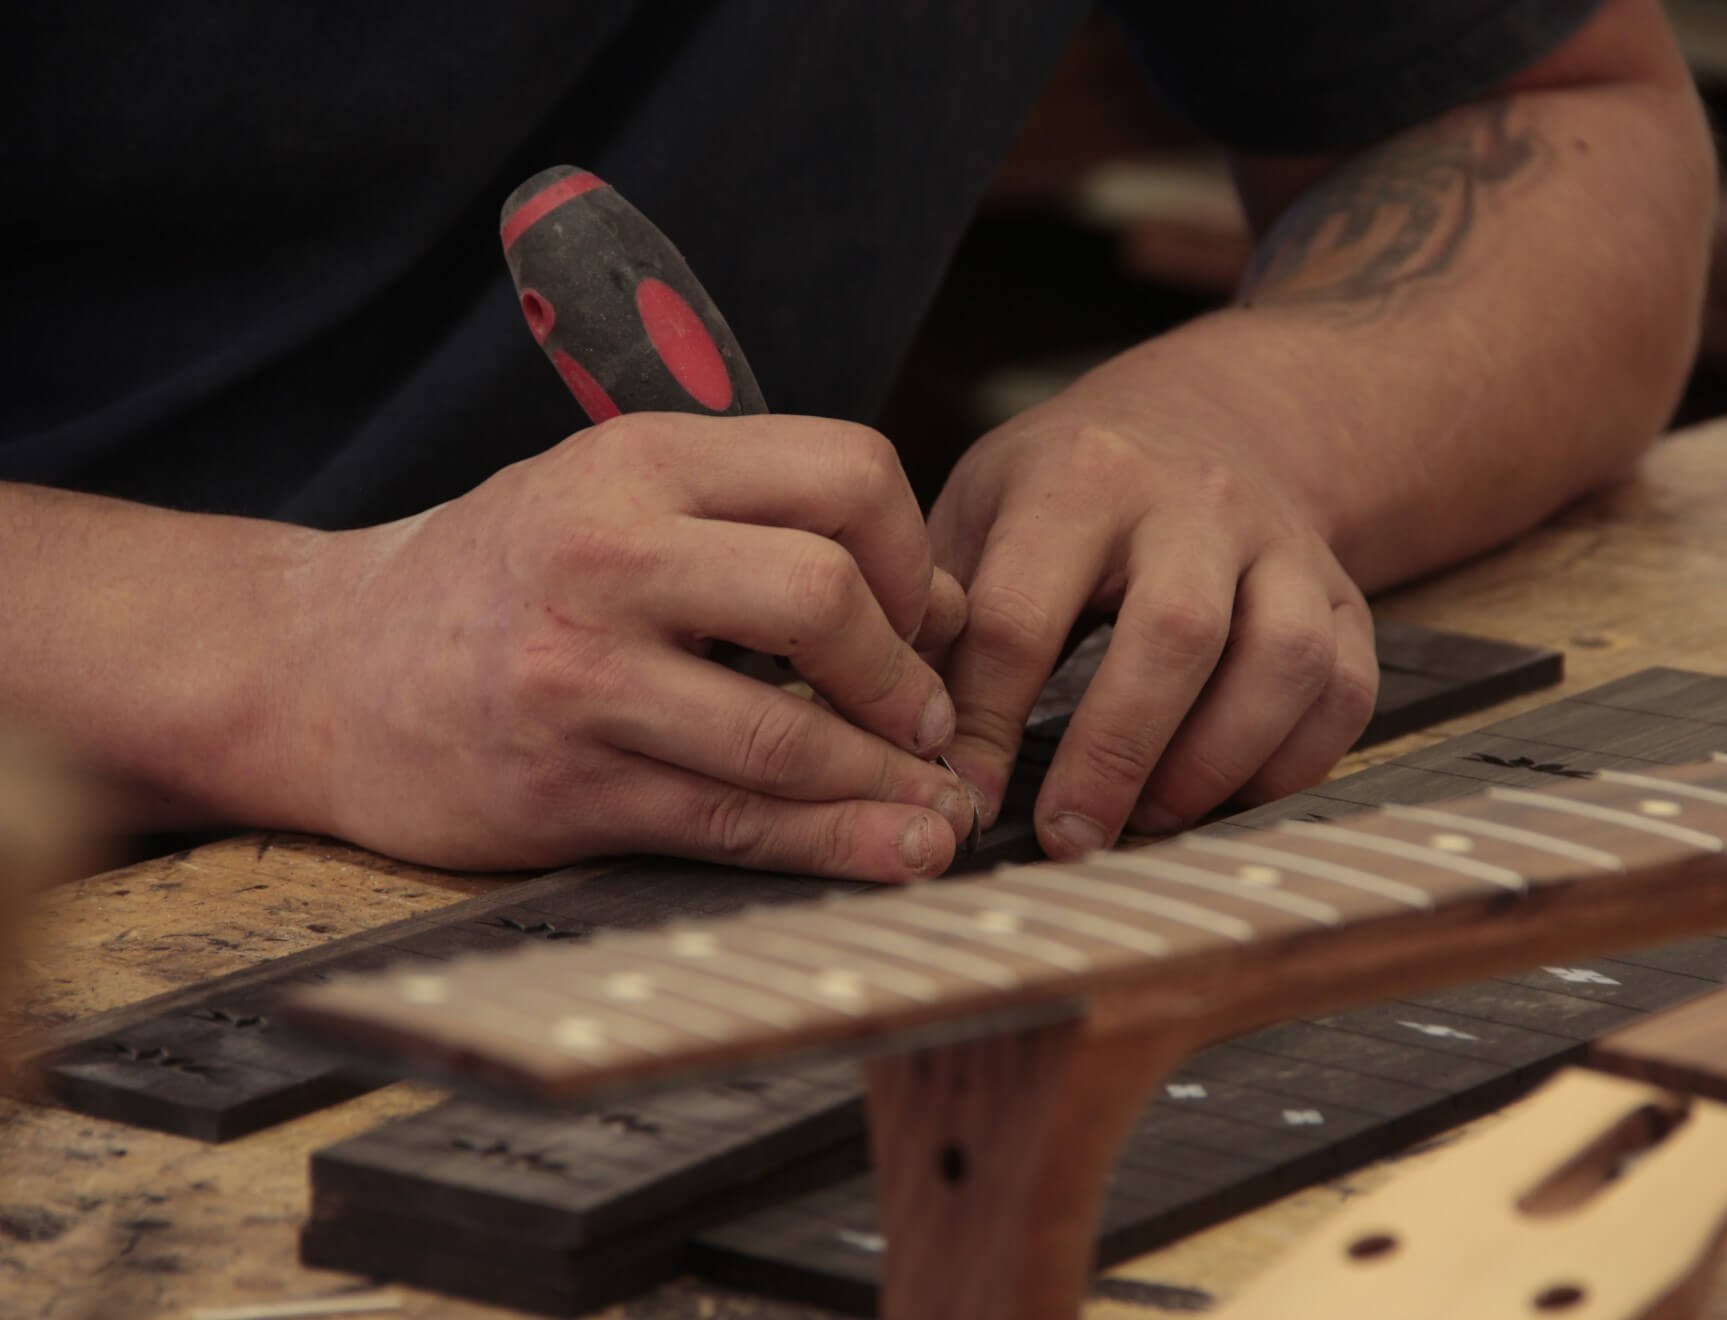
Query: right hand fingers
[[835, 479], [693, 816], [750, 735], [792, 594], [944, 617]]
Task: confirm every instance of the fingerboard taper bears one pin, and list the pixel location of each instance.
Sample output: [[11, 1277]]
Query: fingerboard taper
[[1205, 933]]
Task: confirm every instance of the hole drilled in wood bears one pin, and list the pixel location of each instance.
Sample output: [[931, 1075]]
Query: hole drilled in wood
[[1373, 1246], [952, 1163], [1560, 1297], [1604, 1159]]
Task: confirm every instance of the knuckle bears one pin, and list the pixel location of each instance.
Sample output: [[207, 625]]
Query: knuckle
[[868, 463], [1188, 629], [1301, 655], [822, 584], [1203, 779], [1007, 622], [889, 678], [730, 822], [1218, 484], [836, 840], [776, 744], [1352, 695], [1122, 754], [1100, 457]]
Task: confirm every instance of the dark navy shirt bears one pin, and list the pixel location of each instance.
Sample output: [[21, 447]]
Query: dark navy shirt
[[251, 264]]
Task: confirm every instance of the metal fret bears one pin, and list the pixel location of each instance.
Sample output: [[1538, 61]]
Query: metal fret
[[608, 996], [1365, 881], [1502, 876], [947, 923], [1137, 900], [1577, 852], [1147, 943], [730, 983], [1148, 863], [1628, 820], [601, 1028], [857, 930], [825, 961], [1674, 787]]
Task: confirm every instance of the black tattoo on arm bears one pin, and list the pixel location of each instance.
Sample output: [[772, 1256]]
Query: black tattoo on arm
[[1396, 216]]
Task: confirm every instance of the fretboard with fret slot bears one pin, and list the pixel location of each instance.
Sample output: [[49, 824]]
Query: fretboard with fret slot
[[1215, 933]]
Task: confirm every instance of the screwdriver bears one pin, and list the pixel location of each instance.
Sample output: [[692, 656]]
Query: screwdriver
[[626, 324]]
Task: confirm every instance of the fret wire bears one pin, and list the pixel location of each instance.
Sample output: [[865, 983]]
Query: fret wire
[[1148, 863], [1343, 836], [587, 997], [809, 952], [857, 930], [1121, 934], [1365, 881], [1608, 816], [1651, 783], [510, 1017], [1139, 900], [785, 1004], [1031, 946], [1493, 829]]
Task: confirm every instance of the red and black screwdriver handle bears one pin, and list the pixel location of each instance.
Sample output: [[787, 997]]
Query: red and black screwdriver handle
[[614, 306]]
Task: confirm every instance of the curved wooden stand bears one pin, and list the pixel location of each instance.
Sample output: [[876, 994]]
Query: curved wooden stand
[[991, 1161]]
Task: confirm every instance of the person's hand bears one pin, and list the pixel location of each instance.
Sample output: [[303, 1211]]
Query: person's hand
[[520, 677], [1242, 661]]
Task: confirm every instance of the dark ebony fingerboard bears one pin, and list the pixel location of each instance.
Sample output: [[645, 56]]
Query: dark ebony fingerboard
[[1243, 1122], [206, 1062]]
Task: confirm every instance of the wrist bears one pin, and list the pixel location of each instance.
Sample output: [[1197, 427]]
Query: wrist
[[1259, 397]]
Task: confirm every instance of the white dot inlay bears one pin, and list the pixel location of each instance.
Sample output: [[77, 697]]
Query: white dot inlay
[[1451, 843], [998, 921], [840, 983], [694, 944], [1254, 874], [1665, 808], [629, 986], [419, 988], [578, 1034]]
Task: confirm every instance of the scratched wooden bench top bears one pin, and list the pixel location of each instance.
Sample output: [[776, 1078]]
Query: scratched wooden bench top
[[111, 1220]]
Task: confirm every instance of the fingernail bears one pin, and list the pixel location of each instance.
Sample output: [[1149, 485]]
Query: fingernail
[[979, 803], [956, 809], [916, 848], [1149, 818], [1075, 834], [935, 725]]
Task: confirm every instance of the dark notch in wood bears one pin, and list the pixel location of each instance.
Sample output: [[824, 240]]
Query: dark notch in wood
[[234, 1074]]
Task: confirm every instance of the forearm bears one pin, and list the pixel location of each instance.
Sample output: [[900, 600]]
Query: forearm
[[1453, 334], [164, 651]]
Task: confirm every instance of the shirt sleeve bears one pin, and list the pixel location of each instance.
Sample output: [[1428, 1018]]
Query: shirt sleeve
[[1305, 76]]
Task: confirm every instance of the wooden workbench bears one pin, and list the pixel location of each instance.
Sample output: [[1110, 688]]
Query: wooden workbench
[[101, 1221]]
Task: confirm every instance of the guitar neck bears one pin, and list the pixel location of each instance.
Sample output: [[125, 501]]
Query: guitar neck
[[1199, 935]]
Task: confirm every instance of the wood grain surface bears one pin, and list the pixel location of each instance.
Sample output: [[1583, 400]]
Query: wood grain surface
[[1621, 582]]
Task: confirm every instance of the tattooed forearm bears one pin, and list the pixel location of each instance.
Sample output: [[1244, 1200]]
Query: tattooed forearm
[[1400, 214]]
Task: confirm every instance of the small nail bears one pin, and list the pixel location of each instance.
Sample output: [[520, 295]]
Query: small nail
[[1075, 834], [935, 724], [916, 848], [1149, 818], [979, 805], [956, 809]]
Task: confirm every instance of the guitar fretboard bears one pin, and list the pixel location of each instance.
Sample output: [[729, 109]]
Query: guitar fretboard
[[1396, 896]]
